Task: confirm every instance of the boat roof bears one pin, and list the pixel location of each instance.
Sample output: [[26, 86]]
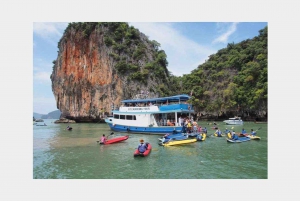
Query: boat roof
[[182, 97], [234, 118], [152, 112]]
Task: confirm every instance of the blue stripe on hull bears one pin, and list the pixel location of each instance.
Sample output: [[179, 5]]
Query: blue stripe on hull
[[151, 130]]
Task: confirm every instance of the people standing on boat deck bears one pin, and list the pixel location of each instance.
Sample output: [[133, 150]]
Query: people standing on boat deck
[[180, 121], [103, 139], [253, 132], [244, 131], [170, 123], [189, 126], [195, 127], [142, 147], [165, 122], [199, 129]]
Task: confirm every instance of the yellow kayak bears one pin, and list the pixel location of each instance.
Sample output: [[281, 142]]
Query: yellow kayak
[[177, 142], [203, 137], [253, 137], [216, 135]]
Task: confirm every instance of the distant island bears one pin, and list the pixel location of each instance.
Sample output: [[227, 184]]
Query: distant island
[[51, 115]]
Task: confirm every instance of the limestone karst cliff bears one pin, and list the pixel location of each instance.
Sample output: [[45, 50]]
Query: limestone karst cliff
[[99, 64]]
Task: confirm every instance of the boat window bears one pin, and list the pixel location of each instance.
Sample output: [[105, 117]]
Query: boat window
[[128, 117], [116, 116], [122, 116], [134, 118]]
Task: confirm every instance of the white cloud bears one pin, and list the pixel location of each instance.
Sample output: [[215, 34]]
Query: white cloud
[[182, 53], [46, 29], [43, 77], [229, 31], [51, 31]]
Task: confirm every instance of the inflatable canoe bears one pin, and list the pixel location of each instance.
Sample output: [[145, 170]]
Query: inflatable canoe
[[252, 137], [146, 153], [178, 142], [201, 137], [178, 136], [191, 135], [216, 135], [240, 139], [117, 139]]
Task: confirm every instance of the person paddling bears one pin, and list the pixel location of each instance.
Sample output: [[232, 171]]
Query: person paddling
[[142, 147], [234, 136], [244, 131], [253, 132], [103, 139]]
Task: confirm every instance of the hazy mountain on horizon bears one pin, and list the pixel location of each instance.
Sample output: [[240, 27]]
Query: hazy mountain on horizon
[[51, 115]]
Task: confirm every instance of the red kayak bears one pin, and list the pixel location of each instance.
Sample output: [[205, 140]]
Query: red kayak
[[243, 135], [137, 153], [117, 139]]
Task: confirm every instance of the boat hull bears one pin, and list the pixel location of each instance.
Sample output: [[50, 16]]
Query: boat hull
[[146, 153], [228, 122], [115, 140], [178, 136], [240, 139], [201, 137], [178, 142], [145, 130], [252, 137]]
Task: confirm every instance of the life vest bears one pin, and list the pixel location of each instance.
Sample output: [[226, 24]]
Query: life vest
[[229, 135], [142, 148]]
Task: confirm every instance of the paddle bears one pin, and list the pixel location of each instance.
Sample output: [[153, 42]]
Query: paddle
[[110, 134], [257, 129]]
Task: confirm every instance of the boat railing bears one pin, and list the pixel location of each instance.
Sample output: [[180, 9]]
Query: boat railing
[[176, 105]]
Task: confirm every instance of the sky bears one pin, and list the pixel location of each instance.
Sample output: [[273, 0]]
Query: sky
[[187, 45]]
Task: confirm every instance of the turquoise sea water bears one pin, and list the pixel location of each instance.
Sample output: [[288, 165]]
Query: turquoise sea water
[[62, 154]]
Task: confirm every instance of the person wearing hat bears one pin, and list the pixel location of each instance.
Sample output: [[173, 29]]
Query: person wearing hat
[[142, 147]]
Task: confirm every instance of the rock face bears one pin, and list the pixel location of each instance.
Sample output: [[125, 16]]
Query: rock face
[[64, 120], [99, 64]]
